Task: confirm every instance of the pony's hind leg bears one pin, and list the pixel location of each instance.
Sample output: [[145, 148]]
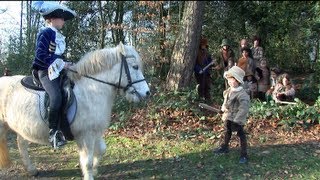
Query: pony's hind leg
[[99, 150], [23, 149], [4, 152]]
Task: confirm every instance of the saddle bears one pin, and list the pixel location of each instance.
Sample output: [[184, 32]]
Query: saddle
[[68, 108]]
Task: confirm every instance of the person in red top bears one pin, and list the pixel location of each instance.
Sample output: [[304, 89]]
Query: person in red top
[[245, 62]]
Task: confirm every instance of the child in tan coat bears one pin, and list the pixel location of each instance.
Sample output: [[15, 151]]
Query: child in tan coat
[[235, 110]]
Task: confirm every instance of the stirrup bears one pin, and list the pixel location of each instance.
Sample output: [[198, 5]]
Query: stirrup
[[53, 139], [61, 138]]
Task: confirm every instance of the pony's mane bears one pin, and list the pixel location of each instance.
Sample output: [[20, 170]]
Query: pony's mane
[[94, 61], [103, 59]]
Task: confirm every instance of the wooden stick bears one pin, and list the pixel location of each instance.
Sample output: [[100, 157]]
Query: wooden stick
[[210, 108], [286, 102], [202, 70]]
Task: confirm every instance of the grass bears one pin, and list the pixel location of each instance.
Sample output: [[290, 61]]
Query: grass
[[148, 158], [140, 159]]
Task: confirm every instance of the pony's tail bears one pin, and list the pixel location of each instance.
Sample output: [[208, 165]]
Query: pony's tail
[[4, 154]]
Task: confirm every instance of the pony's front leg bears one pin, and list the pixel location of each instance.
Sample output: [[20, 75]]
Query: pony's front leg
[[86, 149], [23, 149], [99, 150]]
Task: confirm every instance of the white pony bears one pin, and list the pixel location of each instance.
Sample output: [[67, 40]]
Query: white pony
[[97, 77]]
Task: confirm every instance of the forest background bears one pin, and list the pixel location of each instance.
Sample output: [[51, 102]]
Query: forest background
[[289, 33], [167, 34]]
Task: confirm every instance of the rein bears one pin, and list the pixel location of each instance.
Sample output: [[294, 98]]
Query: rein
[[124, 64]]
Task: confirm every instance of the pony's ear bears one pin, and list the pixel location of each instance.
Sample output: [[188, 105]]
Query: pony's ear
[[122, 49]]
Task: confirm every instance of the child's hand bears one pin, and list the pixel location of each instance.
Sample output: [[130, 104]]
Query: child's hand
[[67, 65]]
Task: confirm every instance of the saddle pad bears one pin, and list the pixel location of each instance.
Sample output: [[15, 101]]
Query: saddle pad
[[43, 113]]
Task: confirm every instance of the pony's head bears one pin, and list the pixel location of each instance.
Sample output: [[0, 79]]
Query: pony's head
[[120, 67], [134, 83]]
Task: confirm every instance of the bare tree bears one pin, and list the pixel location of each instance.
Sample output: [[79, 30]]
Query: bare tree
[[117, 34], [186, 45], [102, 27], [21, 23], [32, 26]]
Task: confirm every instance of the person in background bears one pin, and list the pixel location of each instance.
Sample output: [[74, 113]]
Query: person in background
[[235, 110], [284, 89], [203, 75], [245, 62], [225, 58], [49, 62], [244, 44], [251, 85], [257, 50], [263, 78], [274, 74], [6, 72]]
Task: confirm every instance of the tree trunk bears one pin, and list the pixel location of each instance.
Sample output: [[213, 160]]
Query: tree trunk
[[163, 64], [102, 27], [185, 49], [21, 22], [317, 51], [117, 34]]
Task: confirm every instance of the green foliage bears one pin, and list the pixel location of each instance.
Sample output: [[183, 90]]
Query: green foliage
[[300, 114], [217, 88], [317, 103], [263, 110], [19, 61], [316, 75], [175, 99], [309, 90], [124, 111]]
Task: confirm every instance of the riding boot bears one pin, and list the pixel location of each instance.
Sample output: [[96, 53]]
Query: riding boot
[[56, 137]]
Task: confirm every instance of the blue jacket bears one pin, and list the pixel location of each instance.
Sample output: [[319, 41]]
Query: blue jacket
[[45, 48]]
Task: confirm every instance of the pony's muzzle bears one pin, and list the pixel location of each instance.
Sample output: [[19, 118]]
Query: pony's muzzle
[[148, 93], [141, 96]]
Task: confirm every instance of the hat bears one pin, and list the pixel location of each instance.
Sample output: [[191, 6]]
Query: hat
[[235, 72], [53, 10], [225, 42]]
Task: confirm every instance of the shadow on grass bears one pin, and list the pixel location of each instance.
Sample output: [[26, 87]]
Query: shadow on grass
[[268, 162]]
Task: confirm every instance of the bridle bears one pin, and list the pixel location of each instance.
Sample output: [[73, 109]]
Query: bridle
[[124, 65]]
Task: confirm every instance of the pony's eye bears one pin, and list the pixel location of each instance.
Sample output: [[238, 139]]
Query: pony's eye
[[136, 67]]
